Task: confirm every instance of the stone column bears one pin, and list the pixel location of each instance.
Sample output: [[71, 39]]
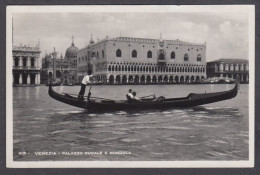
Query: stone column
[[221, 67], [29, 62], [232, 67], [20, 79], [38, 78], [242, 78], [221, 75], [20, 61], [37, 60], [28, 79], [242, 68], [236, 68]]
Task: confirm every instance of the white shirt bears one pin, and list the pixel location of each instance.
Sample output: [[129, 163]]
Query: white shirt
[[86, 79], [130, 95]]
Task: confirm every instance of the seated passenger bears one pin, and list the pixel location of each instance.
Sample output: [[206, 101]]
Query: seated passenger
[[135, 97], [129, 96]]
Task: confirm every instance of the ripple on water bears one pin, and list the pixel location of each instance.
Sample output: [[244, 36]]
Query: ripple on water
[[100, 122], [59, 131], [128, 140], [103, 139], [167, 112], [208, 126], [121, 113], [220, 141], [92, 115], [137, 114], [216, 154], [164, 127]]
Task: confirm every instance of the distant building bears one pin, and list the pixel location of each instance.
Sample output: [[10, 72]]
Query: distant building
[[231, 68], [125, 60], [60, 70], [26, 65]]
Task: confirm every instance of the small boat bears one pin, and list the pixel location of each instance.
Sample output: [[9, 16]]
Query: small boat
[[98, 104]]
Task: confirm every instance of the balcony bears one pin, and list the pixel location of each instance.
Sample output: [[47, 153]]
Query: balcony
[[232, 71], [25, 68]]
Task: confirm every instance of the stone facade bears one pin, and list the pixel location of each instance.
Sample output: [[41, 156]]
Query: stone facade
[[237, 69], [125, 60], [60, 70], [26, 65]]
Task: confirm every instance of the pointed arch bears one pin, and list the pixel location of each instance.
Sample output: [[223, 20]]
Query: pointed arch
[[134, 54], [172, 55], [149, 54], [198, 57], [186, 57], [118, 53]]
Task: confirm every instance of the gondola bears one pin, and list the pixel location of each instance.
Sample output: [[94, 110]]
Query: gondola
[[98, 104]]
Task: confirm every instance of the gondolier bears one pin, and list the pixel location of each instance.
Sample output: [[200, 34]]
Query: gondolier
[[84, 83]]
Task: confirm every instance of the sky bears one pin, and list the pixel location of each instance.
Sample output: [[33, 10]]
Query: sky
[[225, 34]]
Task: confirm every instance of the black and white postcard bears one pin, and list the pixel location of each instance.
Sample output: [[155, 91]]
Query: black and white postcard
[[130, 86]]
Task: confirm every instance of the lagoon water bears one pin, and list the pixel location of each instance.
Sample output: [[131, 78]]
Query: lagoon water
[[217, 131]]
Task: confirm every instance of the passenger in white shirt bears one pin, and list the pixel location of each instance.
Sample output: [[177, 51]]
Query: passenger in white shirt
[[84, 83], [130, 95]]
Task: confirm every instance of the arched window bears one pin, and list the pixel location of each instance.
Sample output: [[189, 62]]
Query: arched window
[[149, 54], [103, 54], [118, 53], [186, 57], [199, 57], [134, 54], [173, 55]]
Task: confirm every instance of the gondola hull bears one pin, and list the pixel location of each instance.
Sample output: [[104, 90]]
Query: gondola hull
[[97, 104]]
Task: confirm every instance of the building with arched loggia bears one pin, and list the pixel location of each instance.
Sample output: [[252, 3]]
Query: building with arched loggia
[[124, 60], [26, 65], [230, 68]]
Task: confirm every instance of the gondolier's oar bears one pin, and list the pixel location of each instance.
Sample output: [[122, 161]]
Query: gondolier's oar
[[89, 93]]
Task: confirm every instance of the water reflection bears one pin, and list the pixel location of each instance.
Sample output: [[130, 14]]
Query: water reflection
[[37, 92]]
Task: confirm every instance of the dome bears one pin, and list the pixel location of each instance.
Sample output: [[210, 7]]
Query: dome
[[71, 51]]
